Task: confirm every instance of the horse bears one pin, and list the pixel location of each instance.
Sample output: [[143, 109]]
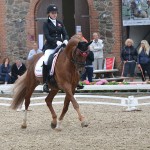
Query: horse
[[136, 12], [70, 62]]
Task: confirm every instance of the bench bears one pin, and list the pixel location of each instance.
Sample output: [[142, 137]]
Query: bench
[[105, 72], [118, 79], [108, 70]]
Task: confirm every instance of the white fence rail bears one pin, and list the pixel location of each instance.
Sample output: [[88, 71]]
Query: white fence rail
[[130, 102]]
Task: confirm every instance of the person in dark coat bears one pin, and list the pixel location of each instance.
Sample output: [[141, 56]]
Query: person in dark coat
[[54, 32], [144, 59], [88, 67], [55, 35], [5, 69], [17, 70], [129, 58]]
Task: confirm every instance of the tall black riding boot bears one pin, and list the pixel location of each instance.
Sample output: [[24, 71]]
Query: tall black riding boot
[[45, 76]]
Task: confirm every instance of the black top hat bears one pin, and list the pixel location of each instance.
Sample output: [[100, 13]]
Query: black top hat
[[52, 7]]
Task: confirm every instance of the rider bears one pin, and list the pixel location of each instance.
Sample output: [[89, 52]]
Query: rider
[[55, 35]]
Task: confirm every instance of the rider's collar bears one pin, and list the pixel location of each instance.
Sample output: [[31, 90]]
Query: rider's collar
[[53, 21]]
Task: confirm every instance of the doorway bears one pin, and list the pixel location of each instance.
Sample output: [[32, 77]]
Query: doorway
[[73, 13], [68, 16]]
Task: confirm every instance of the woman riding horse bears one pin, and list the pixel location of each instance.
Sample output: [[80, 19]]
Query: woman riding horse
[[70, 62], [55, 34]]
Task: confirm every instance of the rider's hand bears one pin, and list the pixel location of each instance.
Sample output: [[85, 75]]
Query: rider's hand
[[65, 42], [58, 43]]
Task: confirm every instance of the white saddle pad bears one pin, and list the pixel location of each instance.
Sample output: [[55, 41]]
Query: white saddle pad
[[39, 67]]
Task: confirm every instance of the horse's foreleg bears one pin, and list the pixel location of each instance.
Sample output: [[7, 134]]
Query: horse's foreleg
[[65, 109], [76, 107], [49, 100], [81, 117]]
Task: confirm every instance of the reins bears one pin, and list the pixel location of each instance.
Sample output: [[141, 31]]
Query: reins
[[77, 63]]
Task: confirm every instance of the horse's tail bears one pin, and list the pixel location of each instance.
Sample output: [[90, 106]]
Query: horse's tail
[[19, 91]]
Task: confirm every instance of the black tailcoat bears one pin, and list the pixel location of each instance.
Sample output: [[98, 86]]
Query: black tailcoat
[[54, 33]]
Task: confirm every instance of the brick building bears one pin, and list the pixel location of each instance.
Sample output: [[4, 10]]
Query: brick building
[[20, 23]]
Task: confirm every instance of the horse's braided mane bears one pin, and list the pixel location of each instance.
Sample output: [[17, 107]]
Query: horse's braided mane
[[73, 42]]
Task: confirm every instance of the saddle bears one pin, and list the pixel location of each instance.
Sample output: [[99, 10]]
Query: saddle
[[48, 70]]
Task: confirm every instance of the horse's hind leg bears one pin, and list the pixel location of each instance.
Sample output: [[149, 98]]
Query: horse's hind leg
[[49, 100], [70, 97], [27, 103]]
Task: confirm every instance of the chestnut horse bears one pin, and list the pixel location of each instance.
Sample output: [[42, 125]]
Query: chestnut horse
[[69, 62]]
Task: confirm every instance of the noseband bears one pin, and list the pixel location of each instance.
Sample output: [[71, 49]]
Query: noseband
[[77, 63]]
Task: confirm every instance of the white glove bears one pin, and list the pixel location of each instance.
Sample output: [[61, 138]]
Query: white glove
[[65, 42], [58, 43]]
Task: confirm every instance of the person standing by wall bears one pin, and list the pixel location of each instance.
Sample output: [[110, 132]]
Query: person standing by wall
[[34, 51], [144, 59], [129, 57], [97, 48], [88, 67], [82, 37]]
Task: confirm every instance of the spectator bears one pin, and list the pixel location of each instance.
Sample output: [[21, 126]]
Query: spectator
[[88, 67], [34, 51], [17, 70], [82, 37], [144, 59], [128, 57], [5, 69], [97, 48]]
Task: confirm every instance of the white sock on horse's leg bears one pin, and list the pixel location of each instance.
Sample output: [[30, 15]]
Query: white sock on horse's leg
[[24, 125], [21, 107], [58, 127]]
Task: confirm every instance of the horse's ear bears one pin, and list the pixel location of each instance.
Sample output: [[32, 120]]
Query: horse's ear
[[89, 43], [81, 45]]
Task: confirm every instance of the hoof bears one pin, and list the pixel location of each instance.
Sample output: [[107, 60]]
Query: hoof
[[23, 126], [84, 124], [53, 126], [58, 129]]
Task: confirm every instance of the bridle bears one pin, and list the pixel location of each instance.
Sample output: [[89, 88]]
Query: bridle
[[79, 64]]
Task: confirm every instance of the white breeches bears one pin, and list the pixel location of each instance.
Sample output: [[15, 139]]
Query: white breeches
[[48, 52]]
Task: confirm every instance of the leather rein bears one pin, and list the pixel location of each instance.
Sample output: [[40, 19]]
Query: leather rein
[[77, 63]]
